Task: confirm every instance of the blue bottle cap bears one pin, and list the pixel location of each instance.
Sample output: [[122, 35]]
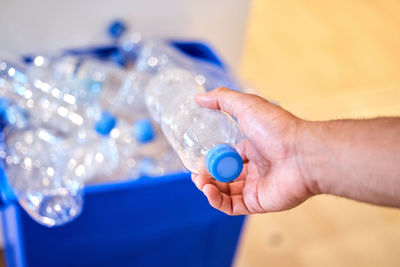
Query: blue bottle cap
[[106, 123], [224, 163], [116, 29], [28, 59], [143, 131]]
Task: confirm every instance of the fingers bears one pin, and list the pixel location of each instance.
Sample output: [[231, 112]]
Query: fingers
[[232, 188], [231, 205], [202, 179], [215, 196], [227, 100], [226, 197]]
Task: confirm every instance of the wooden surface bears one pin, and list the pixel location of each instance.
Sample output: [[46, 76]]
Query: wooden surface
[[324, 60]]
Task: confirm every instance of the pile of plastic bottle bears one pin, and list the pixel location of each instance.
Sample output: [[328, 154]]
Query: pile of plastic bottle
[[93, 115]]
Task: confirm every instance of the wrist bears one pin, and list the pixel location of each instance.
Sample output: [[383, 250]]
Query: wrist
[[311, 156]]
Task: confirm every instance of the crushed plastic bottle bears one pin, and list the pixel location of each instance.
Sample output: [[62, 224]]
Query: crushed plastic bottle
[[204, 139], [62, 137], [96, 154], [98, 83], [82, 116], [127, 101], [62, 108], [130, 140], [166, 162], [35, 167], [12, 116]]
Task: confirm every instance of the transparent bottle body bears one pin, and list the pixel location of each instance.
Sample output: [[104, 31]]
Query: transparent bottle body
[[13, 117], [194, 130], [155, 56], [167, 161], [127, 102], [127, 149], [63, 107], [132, 151], [190, 129], [157, 157], [87, 79], [35, 168], [88, 73], [91, 155]]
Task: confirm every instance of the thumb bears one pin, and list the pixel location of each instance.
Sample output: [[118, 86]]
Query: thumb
[[254, 114], [232, 102]]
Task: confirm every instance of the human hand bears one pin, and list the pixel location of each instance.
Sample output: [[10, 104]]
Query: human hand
[[271, 179]]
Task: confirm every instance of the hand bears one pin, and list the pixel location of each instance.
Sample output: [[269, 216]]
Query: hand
[[271, 179]]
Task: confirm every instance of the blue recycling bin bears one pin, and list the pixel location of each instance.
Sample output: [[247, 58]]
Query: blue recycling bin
[[162, 221]]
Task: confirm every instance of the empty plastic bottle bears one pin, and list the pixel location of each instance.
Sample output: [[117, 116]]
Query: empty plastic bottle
[[62, 108], [12, 116], [35, 168], [154, 158], [130, 140], [90, 76], [12, 79], [165, 162], [94, 153], [91, 73], [95, 82], [204, 139], [155, 56], [127, 101]]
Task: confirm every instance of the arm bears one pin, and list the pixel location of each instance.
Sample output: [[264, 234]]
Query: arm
[[357, 159], [287, 160]]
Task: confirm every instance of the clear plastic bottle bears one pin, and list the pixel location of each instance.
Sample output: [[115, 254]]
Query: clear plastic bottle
[[127, 101], [155, 56], [204, 139], [165, 162], [94, 153], [155, 158], [62, 108], [85, 77], [12, 79], [87, 72], [12, 116], [95, 82], [35, 167], [130, 140]]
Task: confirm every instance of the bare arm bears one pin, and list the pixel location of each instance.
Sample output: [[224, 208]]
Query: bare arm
[[287, 160], [357, 159]]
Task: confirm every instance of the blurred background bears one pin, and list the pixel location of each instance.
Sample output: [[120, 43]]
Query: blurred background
[[320, 60]]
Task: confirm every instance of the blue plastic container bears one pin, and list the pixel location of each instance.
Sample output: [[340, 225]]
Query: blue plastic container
[[162, 221]]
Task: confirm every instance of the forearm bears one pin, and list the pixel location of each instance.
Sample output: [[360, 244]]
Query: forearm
[[358, 159]]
